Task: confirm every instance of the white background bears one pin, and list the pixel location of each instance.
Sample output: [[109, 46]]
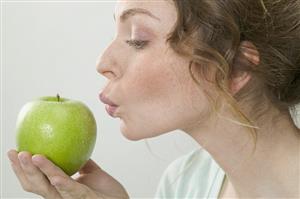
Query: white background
[[52, 47]]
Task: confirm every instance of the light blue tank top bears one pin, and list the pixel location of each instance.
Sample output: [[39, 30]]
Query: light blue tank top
[[195, 175]]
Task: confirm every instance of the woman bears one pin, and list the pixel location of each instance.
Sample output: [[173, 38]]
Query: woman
[[225, 72]]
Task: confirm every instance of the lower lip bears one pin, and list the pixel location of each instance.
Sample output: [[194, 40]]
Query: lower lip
[[110, 109]]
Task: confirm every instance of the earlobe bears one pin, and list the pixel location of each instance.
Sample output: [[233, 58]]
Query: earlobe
[[247, 57], [238, 82]]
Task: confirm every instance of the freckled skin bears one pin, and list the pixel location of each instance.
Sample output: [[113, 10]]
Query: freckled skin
[[152, 86]]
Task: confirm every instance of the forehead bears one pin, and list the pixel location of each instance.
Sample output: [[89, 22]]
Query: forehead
[[163, 9]]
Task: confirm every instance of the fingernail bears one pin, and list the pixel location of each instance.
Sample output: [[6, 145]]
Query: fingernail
[[9, 155], [36, 160], [23, 160]]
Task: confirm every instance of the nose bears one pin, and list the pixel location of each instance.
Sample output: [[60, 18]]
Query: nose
[[107, 73], [106, 64]]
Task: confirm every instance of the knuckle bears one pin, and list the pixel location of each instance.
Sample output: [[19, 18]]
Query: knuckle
[[29, 171], [85, 193]]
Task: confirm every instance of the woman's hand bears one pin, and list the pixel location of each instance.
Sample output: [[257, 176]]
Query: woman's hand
[[39, 175]]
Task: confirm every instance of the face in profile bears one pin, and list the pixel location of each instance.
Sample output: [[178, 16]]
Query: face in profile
[[149, 82]]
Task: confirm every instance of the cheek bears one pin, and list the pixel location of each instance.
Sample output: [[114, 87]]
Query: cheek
[[151, 90], [160, 97], [148, 81]]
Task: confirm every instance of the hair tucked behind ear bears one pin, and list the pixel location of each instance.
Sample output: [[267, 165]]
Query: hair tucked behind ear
[[211, 31]]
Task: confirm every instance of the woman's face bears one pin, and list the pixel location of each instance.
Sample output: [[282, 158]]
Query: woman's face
[[148, 81]]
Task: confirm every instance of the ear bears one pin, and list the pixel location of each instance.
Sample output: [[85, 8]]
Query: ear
[[250, 52], [239, 81], [247, 56]]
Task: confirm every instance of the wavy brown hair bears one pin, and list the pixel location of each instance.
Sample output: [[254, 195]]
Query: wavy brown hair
[[211, 31]]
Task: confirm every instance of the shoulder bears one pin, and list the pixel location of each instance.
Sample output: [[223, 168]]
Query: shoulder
[[194, 169], [188, 162]]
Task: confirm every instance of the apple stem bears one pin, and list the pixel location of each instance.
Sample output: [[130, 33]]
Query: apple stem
[[58, 97]]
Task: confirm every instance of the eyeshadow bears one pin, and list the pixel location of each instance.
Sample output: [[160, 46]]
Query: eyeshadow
[[141, 33]]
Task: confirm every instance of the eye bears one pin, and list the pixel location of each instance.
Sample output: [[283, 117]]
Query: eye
[[137, 44]]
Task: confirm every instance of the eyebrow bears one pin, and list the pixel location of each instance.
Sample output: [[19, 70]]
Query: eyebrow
[[134, 11]]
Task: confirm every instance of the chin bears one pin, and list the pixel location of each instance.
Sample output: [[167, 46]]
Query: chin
[[133, 135], [129, 134], [131, 138]]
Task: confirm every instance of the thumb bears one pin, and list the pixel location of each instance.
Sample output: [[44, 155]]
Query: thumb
[[89, 167]]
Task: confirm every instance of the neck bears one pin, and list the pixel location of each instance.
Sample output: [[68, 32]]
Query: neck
[[271, 169]]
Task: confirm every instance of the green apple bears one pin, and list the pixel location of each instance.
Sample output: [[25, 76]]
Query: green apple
[[61, 129]]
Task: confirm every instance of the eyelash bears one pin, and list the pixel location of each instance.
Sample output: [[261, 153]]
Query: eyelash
[[137, 44]]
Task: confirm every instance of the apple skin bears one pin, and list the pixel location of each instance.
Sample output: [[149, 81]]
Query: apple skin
[[61, 129]]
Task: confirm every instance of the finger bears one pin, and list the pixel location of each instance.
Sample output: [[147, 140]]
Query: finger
[[47, 167], [27, 166], [39, 183], [56, 177], [64, 184], [15, 164], [89, 167], [68, 188]]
